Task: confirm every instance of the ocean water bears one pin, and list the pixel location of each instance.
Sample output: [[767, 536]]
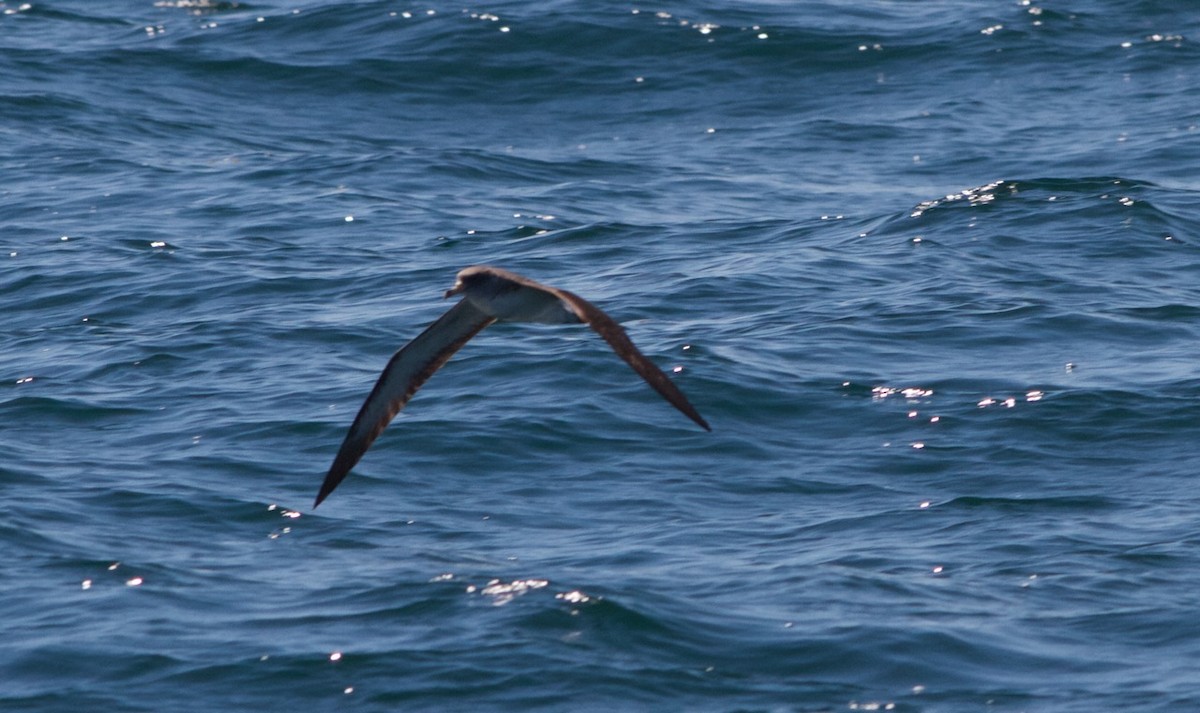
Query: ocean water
[[931, 271]]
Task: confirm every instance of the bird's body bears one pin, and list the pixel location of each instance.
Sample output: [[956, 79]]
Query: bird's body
[[510, 297], [489, 295]]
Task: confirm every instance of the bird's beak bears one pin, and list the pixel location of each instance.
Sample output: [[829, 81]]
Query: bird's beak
[[457, 289]]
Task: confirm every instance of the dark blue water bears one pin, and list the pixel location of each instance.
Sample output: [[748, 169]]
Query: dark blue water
[[931, 270]]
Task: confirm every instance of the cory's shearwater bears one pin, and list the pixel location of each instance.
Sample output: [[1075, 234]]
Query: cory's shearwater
[[489, 295]]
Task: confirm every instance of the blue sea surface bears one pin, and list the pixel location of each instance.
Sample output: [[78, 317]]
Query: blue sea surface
[[931, 271]]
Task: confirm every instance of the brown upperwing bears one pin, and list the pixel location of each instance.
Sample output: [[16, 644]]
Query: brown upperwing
[[620, 342], [407, 370]]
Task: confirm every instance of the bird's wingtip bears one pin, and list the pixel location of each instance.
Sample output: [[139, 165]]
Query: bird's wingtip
[[320, 498], [331, 482]]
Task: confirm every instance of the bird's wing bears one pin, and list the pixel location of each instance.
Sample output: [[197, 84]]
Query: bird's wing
[[612, 332], [408, 369]]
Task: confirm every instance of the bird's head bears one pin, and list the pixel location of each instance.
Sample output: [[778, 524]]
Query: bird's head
[[468, 278]]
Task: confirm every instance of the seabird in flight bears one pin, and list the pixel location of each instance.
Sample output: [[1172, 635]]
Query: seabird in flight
[[489, 295]]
